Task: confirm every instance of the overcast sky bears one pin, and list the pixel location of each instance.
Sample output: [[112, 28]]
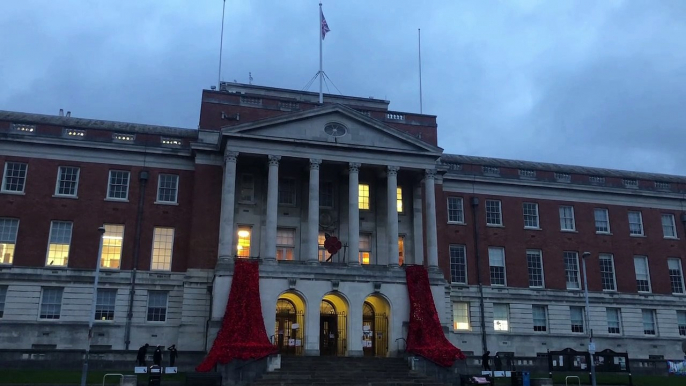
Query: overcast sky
[[596, 83]]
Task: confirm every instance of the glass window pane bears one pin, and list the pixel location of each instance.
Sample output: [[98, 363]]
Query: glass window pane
[[243, 244], [162, 249], [112, 244], [461, 316], [458, 264], [60, 240], [9, 227], [118, 187], [363, 199]]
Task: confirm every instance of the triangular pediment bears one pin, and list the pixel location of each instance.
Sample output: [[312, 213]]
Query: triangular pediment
[[346, 127]]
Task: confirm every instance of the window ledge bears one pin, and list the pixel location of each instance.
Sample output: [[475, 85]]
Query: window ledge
[[456, 223], [537, 288], [166, 203], [671, 238], [65, 196], [104, 322], [603, 233], [12, 192], [637, 235], [614, 291], [678, 294], [495, 225], [569, 230], [533, 228], [116, 199]]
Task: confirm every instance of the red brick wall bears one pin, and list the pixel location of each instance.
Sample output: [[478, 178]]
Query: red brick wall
[[205, 218]]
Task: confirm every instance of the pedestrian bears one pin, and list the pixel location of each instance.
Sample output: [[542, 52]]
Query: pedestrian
[[172, 355], [485, 359], [141, 354], [157, 356]]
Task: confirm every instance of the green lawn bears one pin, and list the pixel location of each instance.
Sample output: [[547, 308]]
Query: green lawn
[[66, 377], [609, 379]]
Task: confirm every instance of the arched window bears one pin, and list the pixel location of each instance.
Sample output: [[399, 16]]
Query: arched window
[[285, 306], [367, 309], [327, 308]]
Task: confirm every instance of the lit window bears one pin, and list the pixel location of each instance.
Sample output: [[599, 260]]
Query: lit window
[[247, 188], [365, 248], [3, 296], [567, 218], [455, 210], [501, 317], [51, 303], [324, 255], [399, 199], [642, 273], [167, 188], [614, 324], [285, 244], [24, 128], [157, 306], [244, 241], [607, 272], [493, 213], [458, 264], [162, 249], [540, 318], [326, 194], [401, 250], [535, 268], [496, 258], [676, 277], [635, 224], [572, 269], [60, 240], [363, 198], [530, 215], [287, 191], [602, 220], [112, 243], [461, 316], [9, 227], [14, 178], [577, 318], [649, 325], [118, 187], [104, 305], [680, 319], [67, 181], [668, 226]]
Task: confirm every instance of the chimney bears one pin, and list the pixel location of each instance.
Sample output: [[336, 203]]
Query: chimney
[[69, 113], [61, 112]]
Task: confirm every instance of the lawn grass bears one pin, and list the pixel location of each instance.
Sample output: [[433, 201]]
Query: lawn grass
[[608, 379], [67, 377]]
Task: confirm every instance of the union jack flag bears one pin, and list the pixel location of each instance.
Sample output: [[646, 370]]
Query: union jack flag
[[325, 26]]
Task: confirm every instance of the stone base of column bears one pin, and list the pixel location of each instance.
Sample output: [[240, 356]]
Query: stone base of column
[[313, 262], [393, 266], [269, 261]]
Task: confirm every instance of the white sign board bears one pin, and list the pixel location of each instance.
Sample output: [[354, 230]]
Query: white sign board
[[140, 370], [591, 348], [170, 370]]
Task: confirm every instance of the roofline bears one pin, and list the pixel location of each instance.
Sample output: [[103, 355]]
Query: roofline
[[291, 91]]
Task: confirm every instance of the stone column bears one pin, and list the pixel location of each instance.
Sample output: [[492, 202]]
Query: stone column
[[313, 213], [417, 225], [272, 208], [226, 218], [431, 232], [354, 214], [392, 216]]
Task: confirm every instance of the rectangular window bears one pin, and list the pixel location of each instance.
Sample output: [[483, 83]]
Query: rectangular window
[[642, 273], [365, 248], [530, 215], [458, 264], [112, 243], [496, 259], [668, 226], [118, 187], [540, 317], [324, 255], [363, 199], [676, 277], [167, 188], [157, 306], [614, 323], [567, 218], [635, 223], [493, 213], [243, 245], [455, 210], [649, 326], [51, 303], [58, 247], [247, 188], [67, 181], [401, 250], [680, 319], [461, 316], [104, 305], [326, 194], [572, 269], [9, 227], [534, 262], [501, 317], [162, 249], [287, 191], [602, 220], [14, 178], [607, 272], [285, 244], [399, 199], [577, 318], [3, 296]]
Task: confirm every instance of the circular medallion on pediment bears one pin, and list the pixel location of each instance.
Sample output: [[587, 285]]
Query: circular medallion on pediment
[[335, 129]]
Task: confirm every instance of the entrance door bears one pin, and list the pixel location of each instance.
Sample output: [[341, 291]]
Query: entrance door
[[368, 339], [285, 335], [328, 329]]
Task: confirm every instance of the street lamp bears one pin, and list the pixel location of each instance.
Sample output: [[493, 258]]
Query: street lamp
[[91, 316], [591, 345]]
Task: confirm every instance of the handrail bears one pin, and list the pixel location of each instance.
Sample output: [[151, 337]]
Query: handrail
[[121, 376], [572, 377]]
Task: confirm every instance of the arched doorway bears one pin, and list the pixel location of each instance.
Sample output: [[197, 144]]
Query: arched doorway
[[288, 334], [333, 326], [375, 337]]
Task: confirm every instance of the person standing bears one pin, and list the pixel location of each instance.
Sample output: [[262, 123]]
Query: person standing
[[157, 356], [172, 355], [485, 359], [140, 357]]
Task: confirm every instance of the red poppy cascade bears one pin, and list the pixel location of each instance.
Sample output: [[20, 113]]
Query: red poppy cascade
[[332, 244]]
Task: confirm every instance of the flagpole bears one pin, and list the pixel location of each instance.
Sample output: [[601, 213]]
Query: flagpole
[[321, 70], [221, 46], [419, 31]]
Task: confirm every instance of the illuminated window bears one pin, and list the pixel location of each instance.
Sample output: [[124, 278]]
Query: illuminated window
[[501, 316], [111, 246], [461, 316], [244, 241], [51, 303], [401, 250], [399, 198], [104, 305], [365, 248], [323, 254], [60, 239], [162, 249], [8, 239], [363, 198], [285, 244]]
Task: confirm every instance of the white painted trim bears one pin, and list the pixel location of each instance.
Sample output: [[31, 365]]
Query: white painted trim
[[573, 218], [109, 181], [461, 208], [4, 178], [540, 260], [466, 265], [152, 249], [176, 190], [166, 308], [47, 252], [640, 223], [59, 179], [500, 213]]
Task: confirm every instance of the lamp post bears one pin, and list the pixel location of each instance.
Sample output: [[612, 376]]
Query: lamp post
[[591, 345], [91, 315]]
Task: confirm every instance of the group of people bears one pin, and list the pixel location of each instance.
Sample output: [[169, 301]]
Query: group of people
[[157, 355]]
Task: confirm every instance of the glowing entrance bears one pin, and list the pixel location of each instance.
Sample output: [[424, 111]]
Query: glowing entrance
[[375, 338], [289, 329], [333, 326]]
